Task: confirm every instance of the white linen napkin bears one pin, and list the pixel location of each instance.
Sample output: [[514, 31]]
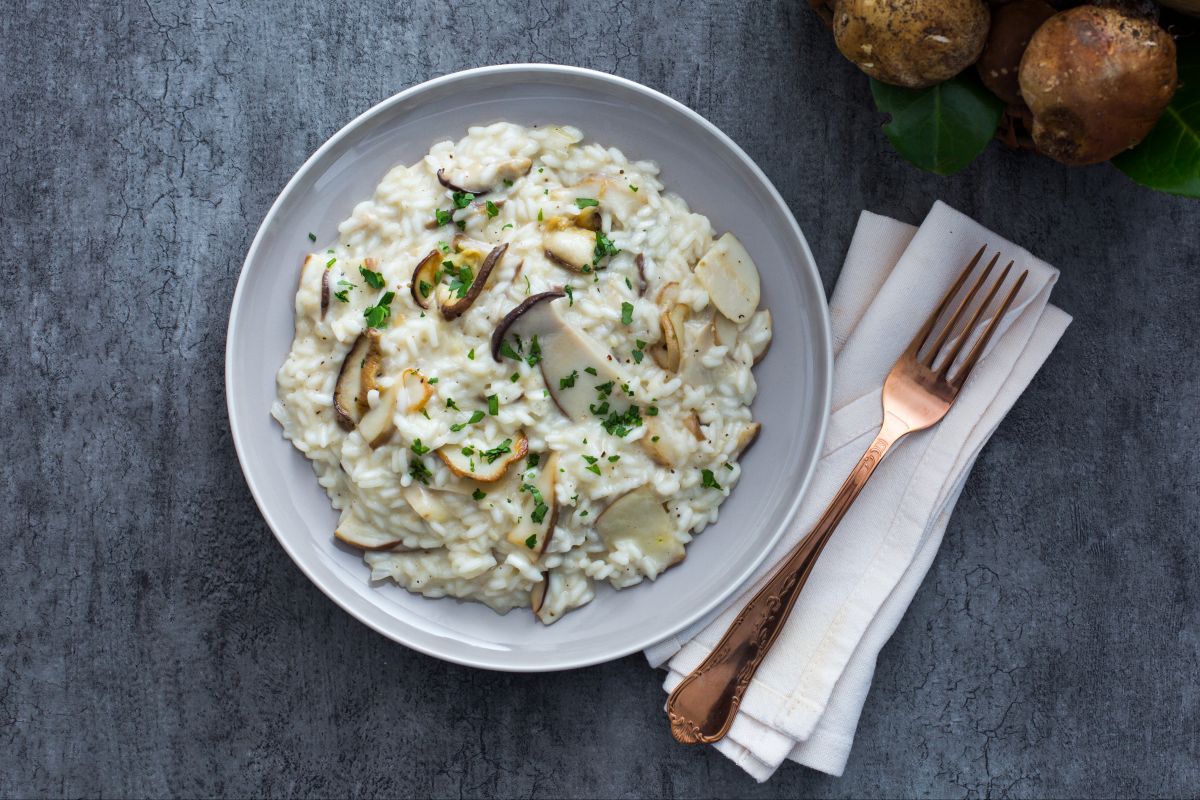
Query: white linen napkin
[[805, 701]]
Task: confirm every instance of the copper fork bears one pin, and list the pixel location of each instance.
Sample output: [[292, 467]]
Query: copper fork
[[918, 392]]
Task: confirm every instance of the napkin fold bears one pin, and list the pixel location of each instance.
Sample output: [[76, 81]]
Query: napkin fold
[[805, 701]]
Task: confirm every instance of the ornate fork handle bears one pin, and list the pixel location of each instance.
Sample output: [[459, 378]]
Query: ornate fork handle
[[703, 706]]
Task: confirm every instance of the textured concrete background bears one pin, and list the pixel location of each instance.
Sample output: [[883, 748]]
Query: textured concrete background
[[155, 640]]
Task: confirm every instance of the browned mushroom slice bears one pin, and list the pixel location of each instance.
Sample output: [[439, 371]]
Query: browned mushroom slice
[[730, 277], [534, 531], [537, 595], [692, 423], [424, 279], [415, 390], [349, 383], [570, 247], [369, 379], [455, 308], [476, 464], [745, 438], [668, 352], [356, 533], [512, 316], [638, 517], [379, 423], [486, 177]]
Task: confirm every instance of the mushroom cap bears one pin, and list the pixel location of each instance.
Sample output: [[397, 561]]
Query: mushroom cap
[[1013, 25], [1096, 80], [915, 43]]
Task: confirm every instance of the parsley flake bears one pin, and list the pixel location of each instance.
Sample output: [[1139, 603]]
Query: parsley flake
[[373, 279], [708, 480]]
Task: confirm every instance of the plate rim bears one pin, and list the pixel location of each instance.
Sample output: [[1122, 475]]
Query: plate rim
[[823, 354]]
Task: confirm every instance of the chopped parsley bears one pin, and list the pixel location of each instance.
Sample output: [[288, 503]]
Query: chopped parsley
[[471, 354], [344, 293], [535, 353], [638, 355], [424, 288], [632, 188], [461, 278], [613, 459], [605, 389], [593, 468], [451, 404], [333, 261], [569, 381], [516, 376], [468, 451], [433, 380], [492, 209], [443, 217], [312, 237], [708, 480], [419, 448], [444, 246], [584, 202], [373, 279], [627, 313], [604, 247], [620, 424], [506, 226], [479, 494], [570, 294], [589, 459], [539, 514], [590, 370], [497, 451], [419, 471], [531, 541], [476, 416], [378, 314], [493, 404], [462, 199], [507, 182], [540, 217], [507, 351], [532, 461], [652, 411]]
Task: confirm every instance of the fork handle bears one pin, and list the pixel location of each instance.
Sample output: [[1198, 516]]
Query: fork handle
[[701, 708]]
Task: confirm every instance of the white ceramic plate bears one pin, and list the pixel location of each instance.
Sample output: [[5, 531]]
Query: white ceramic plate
[[698, 162]]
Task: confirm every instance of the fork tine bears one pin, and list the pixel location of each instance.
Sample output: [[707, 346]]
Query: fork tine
[[977, 350], [963, 306], [923, 334], [952, 356]]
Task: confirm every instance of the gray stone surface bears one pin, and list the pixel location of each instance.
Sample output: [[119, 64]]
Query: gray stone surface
[[155, 640]]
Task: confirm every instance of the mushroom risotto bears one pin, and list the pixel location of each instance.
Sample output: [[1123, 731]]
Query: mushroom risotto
[[524, 368]]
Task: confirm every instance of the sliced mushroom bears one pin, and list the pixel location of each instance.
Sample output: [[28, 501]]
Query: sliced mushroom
[[568, 246], [424, 279], [724, 330], [537, 595], [415, 390], [666, 444], [668, 352], [692, 423], [349, 383], [667, 294], [369, 378], [378, 424], [428, 503], [476, 466], [535, 534], [638, 517], [589, 219], [357, 533], [512, 316], [639, 261], [456, 307], [309, 274], [729, 275], [486, 177], [758, 333], [745, 438]]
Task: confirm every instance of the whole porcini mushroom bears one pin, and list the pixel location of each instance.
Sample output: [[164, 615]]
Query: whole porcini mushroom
[[913, 43], [1096, 80], [1013, 25]]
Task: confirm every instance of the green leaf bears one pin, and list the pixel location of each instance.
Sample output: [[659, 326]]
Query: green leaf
[[1168, 159], [940, 129]]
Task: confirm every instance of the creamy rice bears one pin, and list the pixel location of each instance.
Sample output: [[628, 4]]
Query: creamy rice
[[668, 423]]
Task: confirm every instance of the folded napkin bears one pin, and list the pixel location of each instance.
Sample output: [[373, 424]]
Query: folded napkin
[[805, 701]]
